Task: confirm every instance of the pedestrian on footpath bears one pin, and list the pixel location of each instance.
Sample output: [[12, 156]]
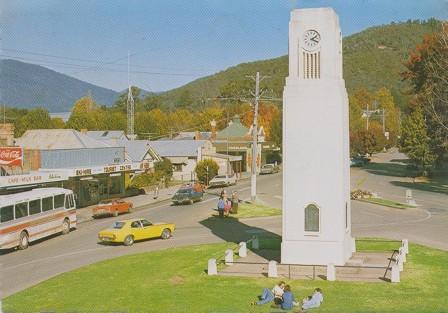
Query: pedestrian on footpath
[[221, 206], [156, 192]]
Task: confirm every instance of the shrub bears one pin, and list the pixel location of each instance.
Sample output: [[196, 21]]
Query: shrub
[[201, 170]]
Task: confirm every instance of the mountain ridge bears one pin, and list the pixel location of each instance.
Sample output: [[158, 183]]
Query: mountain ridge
[[27, 85]]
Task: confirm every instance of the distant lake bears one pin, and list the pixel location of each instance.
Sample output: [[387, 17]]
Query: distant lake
[[63, 115]]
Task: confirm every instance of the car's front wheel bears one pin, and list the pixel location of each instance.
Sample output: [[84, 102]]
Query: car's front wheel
[[129, 240], [166, 234]]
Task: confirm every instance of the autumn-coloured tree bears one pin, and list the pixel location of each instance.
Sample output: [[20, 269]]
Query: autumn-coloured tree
[[267, 113], [182, 119], [427, 72], [391, 111], [57, 123]]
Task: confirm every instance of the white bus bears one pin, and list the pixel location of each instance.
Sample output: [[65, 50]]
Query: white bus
[[35, 214]]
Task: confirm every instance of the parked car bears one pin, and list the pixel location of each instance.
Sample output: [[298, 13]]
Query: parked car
[[223, 180], [112, 207], [129, 231], [188, 194], [269, 169], [358, 161]]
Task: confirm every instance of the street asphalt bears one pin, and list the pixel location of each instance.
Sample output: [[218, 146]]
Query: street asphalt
[[426, 224]]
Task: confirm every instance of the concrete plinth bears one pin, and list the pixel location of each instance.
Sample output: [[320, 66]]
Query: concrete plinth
[[331, 272], [229, 257], [242, 251], [212, 268], [272, 269]]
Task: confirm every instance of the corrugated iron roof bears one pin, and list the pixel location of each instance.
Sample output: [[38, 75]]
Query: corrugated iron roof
[[178, 148], [106, 134], [57, 139]]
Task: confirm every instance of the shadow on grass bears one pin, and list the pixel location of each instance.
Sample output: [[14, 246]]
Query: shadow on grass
[[232, 230], [390, 169], [431, 186]]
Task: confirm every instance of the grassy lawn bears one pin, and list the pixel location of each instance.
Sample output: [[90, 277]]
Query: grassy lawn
[[175, 281], [388, 203], [247, 210]]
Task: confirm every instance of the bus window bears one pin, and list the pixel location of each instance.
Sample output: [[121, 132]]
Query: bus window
[[47, 204], [59, 201], [72, 201], [6, 213], [67, 201], [21, 209], [35, 207]]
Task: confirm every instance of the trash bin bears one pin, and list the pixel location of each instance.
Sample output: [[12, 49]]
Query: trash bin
[[235, 200]]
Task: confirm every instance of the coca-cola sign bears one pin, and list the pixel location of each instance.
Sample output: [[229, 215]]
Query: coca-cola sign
[[11, 156]]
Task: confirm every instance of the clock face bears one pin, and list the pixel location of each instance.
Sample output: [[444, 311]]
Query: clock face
[[311, 39]]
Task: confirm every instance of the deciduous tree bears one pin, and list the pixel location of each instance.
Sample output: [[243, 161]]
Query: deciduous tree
[[415, 141]]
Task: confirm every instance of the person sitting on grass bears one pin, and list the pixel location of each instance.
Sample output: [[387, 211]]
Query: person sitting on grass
[[275, 294], [288, 301], [313, 301]]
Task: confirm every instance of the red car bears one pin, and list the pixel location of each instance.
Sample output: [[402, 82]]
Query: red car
[[112, 207]]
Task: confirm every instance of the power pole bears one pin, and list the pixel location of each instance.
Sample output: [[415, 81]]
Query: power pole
[[253, 186], [130, 107]]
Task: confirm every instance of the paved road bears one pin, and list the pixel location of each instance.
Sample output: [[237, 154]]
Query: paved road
[[21, 269], [426, 224]]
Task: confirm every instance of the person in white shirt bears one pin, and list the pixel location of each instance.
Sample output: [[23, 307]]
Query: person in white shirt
[[275, 294]]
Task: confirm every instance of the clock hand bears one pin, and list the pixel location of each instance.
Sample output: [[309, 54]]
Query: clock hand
[[314, 39]]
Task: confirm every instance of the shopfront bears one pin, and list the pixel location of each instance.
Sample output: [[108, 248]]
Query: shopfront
[[91, 185]]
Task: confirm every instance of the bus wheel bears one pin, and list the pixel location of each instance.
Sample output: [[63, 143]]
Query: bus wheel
[[129, 240], [24, 242], [65, 227]]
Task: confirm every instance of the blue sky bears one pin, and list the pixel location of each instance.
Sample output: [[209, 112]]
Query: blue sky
[[172, 42]]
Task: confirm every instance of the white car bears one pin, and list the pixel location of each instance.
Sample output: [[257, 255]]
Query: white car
[[223, 180]]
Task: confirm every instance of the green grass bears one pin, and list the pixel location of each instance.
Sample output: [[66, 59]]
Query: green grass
[[248, 210], [174, 280], [388, 203]]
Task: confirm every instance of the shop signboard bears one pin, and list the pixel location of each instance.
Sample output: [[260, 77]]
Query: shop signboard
[[11, 156], [32, 178], [108, 169]]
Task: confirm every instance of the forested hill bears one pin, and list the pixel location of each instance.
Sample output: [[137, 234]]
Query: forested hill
[[25, 85], [373, 59]]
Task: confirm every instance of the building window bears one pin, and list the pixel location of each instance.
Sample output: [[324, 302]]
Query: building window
[[177, 167], [312, 218]]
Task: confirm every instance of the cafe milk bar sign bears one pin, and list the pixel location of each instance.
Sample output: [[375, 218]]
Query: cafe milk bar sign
[[11, 156]]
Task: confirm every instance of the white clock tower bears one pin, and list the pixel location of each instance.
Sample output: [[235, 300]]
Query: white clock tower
[[316, 179]]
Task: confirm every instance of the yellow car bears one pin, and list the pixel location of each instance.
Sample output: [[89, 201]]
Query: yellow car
[[129, 231]]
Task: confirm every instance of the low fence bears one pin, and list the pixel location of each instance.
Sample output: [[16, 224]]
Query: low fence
[[331, 272]]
